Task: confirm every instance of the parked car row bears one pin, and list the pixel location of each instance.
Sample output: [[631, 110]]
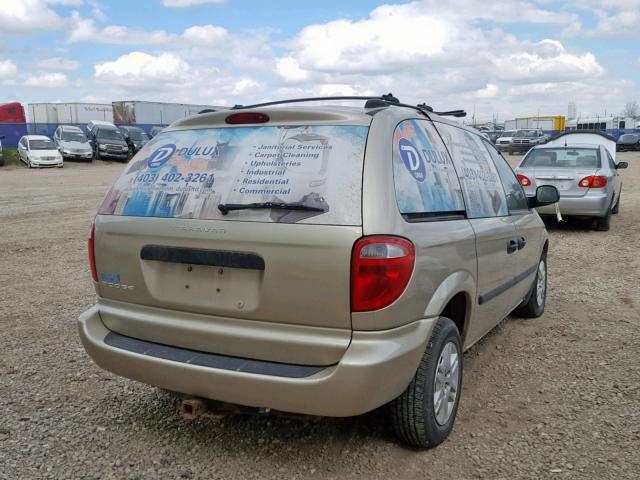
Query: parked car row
[[103, 140]]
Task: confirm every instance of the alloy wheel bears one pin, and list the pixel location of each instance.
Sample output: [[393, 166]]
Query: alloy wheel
[[445, 387], [541, 282]]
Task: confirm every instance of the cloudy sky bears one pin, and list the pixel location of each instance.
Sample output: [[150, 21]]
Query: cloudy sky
[[501, 58]]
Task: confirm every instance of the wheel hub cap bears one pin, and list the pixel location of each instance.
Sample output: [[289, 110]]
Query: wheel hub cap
[[446, 382]]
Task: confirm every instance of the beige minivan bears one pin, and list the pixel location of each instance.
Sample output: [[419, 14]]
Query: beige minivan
[[322, 260]]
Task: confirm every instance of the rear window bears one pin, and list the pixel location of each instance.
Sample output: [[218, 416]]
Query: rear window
[[562, 158], [189, 173], [424, 177]]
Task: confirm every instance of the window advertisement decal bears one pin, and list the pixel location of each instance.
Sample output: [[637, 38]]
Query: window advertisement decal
[[483, 192], [425, 179], [189, 173]]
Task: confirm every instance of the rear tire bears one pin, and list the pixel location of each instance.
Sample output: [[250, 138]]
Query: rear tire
[[423, 416], [533, 306], [603, 224], [616, 208]]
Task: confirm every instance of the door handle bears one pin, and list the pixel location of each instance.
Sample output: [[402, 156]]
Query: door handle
[[521, 243], [512, 246]]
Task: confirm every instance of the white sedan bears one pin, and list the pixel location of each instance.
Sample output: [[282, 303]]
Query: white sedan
[[39, 151]]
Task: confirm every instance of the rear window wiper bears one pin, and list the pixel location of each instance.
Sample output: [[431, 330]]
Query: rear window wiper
[[228, 207]]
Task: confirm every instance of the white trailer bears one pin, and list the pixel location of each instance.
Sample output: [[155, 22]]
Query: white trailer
[[69, 113], [42, 113], [153, 113], [529, 123]]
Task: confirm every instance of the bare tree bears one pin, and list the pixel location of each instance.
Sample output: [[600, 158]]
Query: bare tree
[[631, 109]]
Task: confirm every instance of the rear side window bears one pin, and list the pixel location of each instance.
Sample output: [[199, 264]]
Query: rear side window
[[481, 186], [612, 164], [189, 173], [516, 198], [562, 158], [425, 179]]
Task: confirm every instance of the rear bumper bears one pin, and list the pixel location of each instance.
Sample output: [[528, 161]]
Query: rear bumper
[[376, 368], [592, 206]]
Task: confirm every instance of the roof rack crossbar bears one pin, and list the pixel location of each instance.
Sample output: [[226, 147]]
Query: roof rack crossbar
[[382, 100], [453, 113], [309, 99]]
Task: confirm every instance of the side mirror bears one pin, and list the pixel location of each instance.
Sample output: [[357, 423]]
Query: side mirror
[[545, 195], [622, 165]]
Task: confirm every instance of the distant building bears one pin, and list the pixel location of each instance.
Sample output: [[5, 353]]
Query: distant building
[[572, 110]]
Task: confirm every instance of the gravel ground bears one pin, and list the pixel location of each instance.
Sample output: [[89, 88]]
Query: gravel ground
[[555, 397]]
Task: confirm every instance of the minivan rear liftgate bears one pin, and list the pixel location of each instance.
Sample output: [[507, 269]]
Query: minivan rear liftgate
[[211, 289], [235, 241]]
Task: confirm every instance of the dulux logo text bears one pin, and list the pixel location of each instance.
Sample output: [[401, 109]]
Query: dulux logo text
[[412, 160], [161, 155]]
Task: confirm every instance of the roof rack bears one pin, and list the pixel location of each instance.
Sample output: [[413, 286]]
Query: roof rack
[[382, 101]]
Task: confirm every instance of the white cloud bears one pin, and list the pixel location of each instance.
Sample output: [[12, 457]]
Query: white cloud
[[28, 16], [289, 69], [47, 80], [386, 39], [188, 3], [85, 30], [623, 23], [245, 86], [614, 18], [545, 61], [140, 69], [499, 11], [206, 35], [490, 91], [58, 63], [7, 69]]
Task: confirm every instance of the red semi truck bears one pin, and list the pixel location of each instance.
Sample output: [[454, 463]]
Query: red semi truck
[[12, 113]]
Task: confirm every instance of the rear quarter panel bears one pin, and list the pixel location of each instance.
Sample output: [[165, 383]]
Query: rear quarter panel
[[445, 250]]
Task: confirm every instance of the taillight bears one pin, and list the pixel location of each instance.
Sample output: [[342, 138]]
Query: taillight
[[246, 117], [92, 254], [593, 181], [381, 267], [524, 181]]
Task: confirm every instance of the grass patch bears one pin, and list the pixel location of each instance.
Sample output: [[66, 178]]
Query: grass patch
[[11, 156]]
